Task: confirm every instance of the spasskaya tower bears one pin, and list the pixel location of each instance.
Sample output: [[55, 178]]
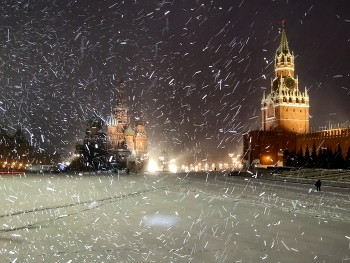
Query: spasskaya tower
[[286, 107]]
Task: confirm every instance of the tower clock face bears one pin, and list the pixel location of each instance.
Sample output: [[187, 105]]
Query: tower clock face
[[290, 83]]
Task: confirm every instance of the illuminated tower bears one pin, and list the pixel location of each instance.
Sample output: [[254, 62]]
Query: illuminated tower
[[128, 145], [121, 111], [285, 108], [141, 138], [119, 121], [122, 117]]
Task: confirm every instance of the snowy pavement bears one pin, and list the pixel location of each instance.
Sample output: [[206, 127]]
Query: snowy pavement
[[195, 217]]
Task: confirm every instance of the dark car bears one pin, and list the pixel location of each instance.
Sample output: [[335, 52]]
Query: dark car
[[233, 173]]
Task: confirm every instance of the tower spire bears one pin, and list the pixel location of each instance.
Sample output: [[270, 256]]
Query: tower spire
[[285, 108], [121, 98], [283, 48]]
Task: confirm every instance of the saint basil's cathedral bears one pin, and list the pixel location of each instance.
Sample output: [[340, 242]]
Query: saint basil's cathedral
[[125, 143], [285, 119]]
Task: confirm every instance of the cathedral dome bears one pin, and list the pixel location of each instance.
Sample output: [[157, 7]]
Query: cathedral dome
[[111, 121], [140, 122], [129, 131], [95, 122]]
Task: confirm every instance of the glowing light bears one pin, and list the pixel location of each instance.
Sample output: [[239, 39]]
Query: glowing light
[[184, 168], [172, 168], [152, 166]]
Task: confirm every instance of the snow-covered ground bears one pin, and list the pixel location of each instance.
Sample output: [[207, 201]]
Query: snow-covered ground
[[195, 217]]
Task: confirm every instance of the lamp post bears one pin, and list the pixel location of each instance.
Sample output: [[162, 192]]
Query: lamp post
[[76, 159]]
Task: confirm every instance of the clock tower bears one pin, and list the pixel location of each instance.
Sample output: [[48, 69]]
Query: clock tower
[[285, 121], [285, 108]]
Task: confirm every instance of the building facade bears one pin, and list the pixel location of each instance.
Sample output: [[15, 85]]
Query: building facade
[[115, 138], [285, 107], [285, 118], [127, 143]]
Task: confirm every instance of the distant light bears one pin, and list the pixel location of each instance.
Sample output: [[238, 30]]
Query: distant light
[[172, 168], [152, 166]]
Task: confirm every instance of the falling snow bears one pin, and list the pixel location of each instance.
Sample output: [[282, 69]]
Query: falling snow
[[61, 63], [196, 70]]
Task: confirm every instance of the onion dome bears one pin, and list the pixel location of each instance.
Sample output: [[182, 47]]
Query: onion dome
[[129, 131], [95, 122], [111, 120]]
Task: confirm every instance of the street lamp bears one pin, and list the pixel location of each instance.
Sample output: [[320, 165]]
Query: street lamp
[[269, 159]]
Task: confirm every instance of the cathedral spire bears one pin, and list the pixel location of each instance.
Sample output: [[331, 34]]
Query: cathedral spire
[[121, 98]]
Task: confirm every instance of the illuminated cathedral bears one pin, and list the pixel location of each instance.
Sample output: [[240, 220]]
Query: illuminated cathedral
[[285, 118], [113, 141], [127, 143]]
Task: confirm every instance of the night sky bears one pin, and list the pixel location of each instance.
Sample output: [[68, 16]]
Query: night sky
[[195, 69]]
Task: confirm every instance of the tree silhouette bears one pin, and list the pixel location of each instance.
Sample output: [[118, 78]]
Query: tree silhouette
[[307, 157], [325, 158], [300, 158], [338, 160], [320, 159], [329, 159], [313, 158], [347, 159]]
